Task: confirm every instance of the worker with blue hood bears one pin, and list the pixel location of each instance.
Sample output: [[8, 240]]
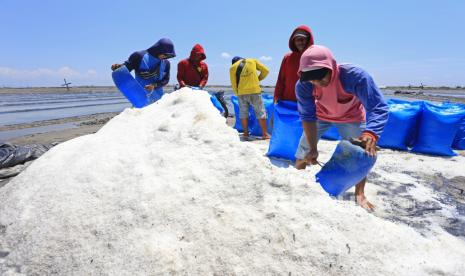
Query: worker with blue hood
[[152, 68]]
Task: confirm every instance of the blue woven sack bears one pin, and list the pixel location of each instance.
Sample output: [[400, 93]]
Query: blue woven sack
[[287, 130], [438, 128], [254, 126], [348, 165], [401, 128]]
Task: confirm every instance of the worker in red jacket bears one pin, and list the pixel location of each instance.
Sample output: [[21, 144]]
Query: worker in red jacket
[[301, 38], [193, 71]]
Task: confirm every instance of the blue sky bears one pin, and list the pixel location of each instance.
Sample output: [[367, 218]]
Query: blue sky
[[398, 42]]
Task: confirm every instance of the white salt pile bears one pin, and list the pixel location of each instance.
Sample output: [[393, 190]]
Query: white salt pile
[[170, 189]]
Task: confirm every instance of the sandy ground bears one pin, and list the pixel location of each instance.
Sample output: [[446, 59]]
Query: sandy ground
[[85, 125], [437, 98]]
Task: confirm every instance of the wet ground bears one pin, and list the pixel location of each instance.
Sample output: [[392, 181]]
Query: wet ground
[[444, 205]]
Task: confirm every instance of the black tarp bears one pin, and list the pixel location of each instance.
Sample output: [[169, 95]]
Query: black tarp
[[12, 155]]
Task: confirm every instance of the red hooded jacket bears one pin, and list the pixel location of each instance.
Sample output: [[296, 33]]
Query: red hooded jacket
[[193, 73], [287, 78]]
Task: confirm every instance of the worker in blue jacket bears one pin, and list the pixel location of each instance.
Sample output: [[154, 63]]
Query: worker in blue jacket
[[152, 67]]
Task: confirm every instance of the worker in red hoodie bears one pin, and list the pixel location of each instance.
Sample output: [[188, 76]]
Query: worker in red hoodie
[[193, 71], [301, 38]]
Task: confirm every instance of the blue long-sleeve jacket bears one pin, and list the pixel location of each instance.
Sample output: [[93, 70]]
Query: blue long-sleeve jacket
[[357, 82], [148, 67]]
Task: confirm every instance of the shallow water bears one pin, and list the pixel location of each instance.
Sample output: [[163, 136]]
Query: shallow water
[[32, 107]]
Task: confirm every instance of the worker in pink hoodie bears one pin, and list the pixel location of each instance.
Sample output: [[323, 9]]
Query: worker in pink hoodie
[[300, 39], [329, 94]]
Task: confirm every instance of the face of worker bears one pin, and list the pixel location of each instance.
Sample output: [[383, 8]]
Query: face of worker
[[300, 43], [196, 57], [324, 81], [164, 56]]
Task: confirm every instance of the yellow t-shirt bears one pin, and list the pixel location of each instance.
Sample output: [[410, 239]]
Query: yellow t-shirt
[[249, 82]]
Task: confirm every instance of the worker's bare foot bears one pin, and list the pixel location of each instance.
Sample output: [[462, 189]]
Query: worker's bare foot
[[364, 203], [266, 136], [300, 164]]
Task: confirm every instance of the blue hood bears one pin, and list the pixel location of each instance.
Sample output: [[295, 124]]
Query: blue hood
[[236, 58], [163, 46]]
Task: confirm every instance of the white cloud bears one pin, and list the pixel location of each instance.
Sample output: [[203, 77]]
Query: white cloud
[[5, 71], [225, 55], [266, 58], [91, 72]]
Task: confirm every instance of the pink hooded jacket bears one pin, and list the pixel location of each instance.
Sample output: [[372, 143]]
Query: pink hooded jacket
[[333, 103]]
